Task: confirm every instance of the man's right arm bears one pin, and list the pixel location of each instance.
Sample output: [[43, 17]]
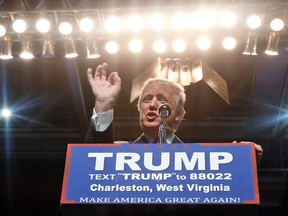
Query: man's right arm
[[100, 128], [106, 90]]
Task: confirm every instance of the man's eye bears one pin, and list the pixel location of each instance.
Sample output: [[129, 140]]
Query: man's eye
[[163, 101], [146, 100]]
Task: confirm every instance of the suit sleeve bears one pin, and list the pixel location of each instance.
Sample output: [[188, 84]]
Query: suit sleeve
[[94, 136]]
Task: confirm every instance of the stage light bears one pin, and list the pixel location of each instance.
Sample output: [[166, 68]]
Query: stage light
[[48, 50], [254, 22], [86, 24], [229, 43], [26, 49], [229, 19], [272, 47], [159, 46], [5, 47], [65, 28], [251, 44], [180, 21], [111, 47], [157, 22], [19, 25], [5, 113], [70, 48], [204, 43], [135, 23], [277, 24], [92, 49], [135, 46], [2, 30], [179, 45], [203, 19], [43, 25], [112, 24]]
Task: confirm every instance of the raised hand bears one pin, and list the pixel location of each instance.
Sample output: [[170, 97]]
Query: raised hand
[[105, 89]]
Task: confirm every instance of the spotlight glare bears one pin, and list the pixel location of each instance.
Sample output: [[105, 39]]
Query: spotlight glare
[[111, 47], [159, 46], [179, 45], [254, 22], [203, 19], [229, 43], [112, 24], [179, 21], [86, 24], [65, 28], [204, 43], [157, 22], [134, 23], [135, 46], [229, 19], [43, 25], [277, 24], [2, 30], [19, 26], [6, 113]]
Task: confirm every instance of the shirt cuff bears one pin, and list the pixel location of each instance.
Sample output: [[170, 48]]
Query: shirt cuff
[[101, 121]]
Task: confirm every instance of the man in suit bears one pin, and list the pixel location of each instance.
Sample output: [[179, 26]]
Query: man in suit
[[155, 93]]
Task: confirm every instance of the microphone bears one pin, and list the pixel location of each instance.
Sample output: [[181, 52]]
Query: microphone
[[164, 111]]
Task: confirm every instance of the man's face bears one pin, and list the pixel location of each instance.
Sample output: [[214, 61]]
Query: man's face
[[153, 98]]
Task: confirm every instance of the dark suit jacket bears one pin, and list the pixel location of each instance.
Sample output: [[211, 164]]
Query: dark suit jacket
[[107, 136]]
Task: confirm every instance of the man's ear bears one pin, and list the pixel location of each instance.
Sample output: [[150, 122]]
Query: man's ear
[[180, 115]]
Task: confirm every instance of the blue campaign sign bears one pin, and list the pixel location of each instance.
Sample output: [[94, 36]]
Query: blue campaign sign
[[190, 173]]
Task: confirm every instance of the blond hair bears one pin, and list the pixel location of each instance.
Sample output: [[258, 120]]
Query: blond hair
[[179, 90]]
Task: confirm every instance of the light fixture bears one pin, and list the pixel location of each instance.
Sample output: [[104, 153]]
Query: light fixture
[[111, 47], [86, 24], [2, 30], [112, 24], [179, 45], [251, 44], [179, 21], [277, 24], [203, 19], [19, 25], [229, 43], [5, 47], [272, 46], [43, 25], [6, 113], [157, 22], [26, 49], [204, 43], [135, 46], [254, 22], [159, 46], [48, 50], [65, 28], [135, 23], [70, 49], [229, 19], [92, 49]]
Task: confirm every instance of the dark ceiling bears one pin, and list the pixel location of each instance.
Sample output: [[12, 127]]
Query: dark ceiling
[[52, 104]]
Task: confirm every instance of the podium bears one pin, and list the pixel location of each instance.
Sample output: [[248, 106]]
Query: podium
[[153, 179]]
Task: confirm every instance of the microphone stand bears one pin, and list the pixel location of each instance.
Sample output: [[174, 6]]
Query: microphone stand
[[162, 132]]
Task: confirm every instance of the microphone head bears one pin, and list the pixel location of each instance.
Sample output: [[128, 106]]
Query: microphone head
[[164, 111]]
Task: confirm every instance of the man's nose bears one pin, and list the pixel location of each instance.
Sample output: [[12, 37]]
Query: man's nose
[[154, 102]]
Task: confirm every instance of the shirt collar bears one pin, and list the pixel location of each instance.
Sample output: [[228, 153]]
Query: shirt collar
[[169, 138]]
